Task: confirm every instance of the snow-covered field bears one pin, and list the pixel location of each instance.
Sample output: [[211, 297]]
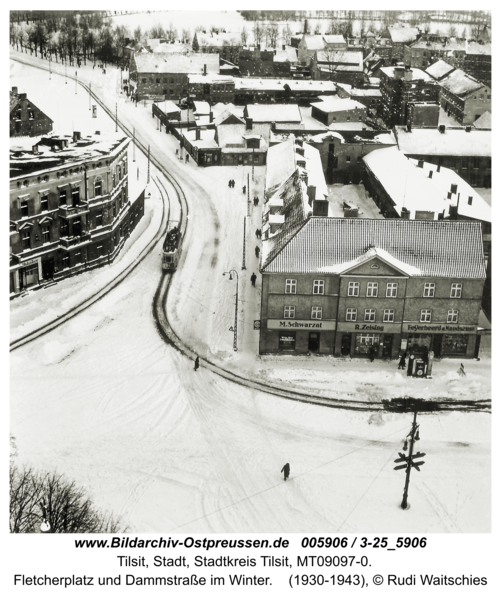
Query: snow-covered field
[[105, 401]]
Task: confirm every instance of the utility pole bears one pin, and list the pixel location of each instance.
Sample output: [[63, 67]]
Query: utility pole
[[133, 144], [253, 161], [148, 179], [90, 95], [116, 117], [76, 81], [243, 255], [408, 461]]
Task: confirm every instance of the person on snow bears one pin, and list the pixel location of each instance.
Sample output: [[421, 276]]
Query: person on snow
[[244, 189], [256, 200], [232, 183], [257, 251], [372, 353], [253, 279], [286, 470], [401, 362], [229, 183], [197, 363]]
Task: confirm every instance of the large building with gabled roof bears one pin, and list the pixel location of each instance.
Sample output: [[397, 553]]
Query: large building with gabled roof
[[343, 286], [26, 119]]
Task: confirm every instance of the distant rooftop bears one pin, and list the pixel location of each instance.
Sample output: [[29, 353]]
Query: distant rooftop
[[454, 142]]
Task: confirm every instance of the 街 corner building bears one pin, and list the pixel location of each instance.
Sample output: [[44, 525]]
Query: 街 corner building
[[339, 286]]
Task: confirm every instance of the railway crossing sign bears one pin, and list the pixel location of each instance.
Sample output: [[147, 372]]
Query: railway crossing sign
[[409, 459]]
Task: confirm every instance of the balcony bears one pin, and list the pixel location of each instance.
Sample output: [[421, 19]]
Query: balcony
[[68, 242], [67, 212]]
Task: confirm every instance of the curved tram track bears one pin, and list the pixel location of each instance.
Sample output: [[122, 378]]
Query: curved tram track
[[166, 331]]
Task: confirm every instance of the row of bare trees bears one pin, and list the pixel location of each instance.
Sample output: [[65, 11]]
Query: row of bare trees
[[49, 502]]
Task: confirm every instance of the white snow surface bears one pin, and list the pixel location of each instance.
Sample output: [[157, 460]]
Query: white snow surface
[[104, 400]]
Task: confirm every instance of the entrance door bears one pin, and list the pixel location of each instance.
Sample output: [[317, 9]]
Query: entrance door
[[345, 344], [437, 345], [48, 268], [387, 346], [314, 342]]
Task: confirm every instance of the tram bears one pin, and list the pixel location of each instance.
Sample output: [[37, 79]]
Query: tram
[[171, 246]]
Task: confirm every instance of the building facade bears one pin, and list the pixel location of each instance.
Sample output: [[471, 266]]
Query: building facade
[[25, 118], [70, 216], [344, 286]]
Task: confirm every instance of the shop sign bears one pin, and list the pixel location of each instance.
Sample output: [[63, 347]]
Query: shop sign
[[287, 324], [439, 328], [370, 327], [31, 261]]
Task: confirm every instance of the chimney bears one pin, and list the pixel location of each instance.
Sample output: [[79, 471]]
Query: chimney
[[14, 90], [430, 175], [211, 117], [408, 73], [468, 129], [23, 96], [34, 149], [406, 214], [311, 191], [441, 128], [97, 133], [197, 134], [205, 69], [248, 123], [420, 163], [76, 136], [398, 72]]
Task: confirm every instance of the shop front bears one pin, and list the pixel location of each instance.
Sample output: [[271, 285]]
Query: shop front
[[298, 337], [30, 273], [357, 339], [445, 340]]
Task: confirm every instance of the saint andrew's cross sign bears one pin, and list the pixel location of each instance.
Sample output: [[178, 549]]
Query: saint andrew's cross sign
[[409, 459]]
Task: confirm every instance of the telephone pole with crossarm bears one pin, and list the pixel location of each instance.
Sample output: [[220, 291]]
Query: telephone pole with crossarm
[[408, 461]]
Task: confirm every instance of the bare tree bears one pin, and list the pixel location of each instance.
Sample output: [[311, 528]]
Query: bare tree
[[452, 31], [286, 34], [318, 28], [171, 32], [244, 35], [272, 33], [186, 35], [51, 499], [257, 30]]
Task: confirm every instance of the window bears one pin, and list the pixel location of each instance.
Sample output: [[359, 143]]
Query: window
[[99, 250], [351, 314], [65, 261], [353, 288], [119, 172], [31, 115], [316, 312], [99, 218], [388, 315], [24, 208], [63, 195], [372, 289], [75, 196], [98, 188], [77, 257], [290, 286], [476, 162], [464, 163], [158, 80], [26, 239], [318, 286], [429, 290], [44, 202], [452, 316], [425, 316], [391, 290], [481, 96], [46, 234], [63, 230], [348, 160], [289, 312], [456, 289], [370, 314]]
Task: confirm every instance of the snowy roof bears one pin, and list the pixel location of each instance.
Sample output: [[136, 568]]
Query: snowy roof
[[343, 60], [484, 121], [427, 248], [231, 137], [439, 69], [167, 106], [475, 48], [278, 85], [315, 171], [201, 108], [461, 84], [411, 187], [210, 78], [454, 142], [273, 113], [228, 114], [416, 73], [289, 54], [350, 126], [319, 41], [220, 39], [403, 35], [92, 147], [370, 92], [356, 137], [333, 104], [280, 163], [424, 43], [206, 137], [172, 48], [176, 63]]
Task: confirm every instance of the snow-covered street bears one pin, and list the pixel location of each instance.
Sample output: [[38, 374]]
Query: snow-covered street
[[104, 400]]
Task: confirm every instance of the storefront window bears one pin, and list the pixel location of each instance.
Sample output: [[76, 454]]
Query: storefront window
[[364, 341], [418, 341], [455, 344], [287, 341], [30, 275]]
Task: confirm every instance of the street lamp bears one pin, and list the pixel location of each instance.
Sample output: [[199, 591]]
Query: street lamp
[[234, 328]]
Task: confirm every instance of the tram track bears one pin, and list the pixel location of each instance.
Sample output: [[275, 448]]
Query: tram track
[[166, 331]]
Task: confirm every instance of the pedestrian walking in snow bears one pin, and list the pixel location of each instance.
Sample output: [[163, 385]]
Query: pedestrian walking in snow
[[253, 279], [372, 353], [177, 151], [401, 362], [461, 370], [229, 183], [257, 251], [257, 233], [256, 200], [244, 189], [286, 470], [232, 183], [197, 363]]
